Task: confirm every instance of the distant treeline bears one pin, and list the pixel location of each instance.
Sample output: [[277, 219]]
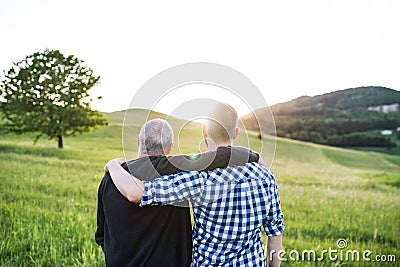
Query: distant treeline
[[336, 127], [340, 118]]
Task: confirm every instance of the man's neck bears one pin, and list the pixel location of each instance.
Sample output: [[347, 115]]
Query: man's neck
[[212, 145], [142, 155]]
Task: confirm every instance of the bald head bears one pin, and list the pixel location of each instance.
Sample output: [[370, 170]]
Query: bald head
[[221, 125], [155, 137]]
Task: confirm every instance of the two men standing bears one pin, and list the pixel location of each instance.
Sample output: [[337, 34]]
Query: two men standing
[[231, 199]]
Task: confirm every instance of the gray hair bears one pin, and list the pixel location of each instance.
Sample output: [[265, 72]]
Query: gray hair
[[155, 137]]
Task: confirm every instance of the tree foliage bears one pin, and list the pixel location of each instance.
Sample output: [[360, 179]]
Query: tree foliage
[[47, 94]]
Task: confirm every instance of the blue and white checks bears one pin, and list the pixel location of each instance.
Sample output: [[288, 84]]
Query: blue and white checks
[[229, 206]]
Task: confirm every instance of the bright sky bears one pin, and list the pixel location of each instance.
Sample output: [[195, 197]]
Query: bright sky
[[287, 48]]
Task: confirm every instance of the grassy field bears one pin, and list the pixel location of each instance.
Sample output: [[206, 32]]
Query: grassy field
[[48, 197]]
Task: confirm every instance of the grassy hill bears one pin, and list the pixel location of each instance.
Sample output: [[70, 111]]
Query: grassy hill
[[137, 116], [340, 118], [48, 196]]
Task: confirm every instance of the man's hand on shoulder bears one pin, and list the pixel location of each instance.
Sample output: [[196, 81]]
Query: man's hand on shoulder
[[118, 161], [129, 186]]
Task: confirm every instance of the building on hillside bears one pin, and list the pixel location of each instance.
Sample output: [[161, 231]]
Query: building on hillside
[[386, 108], [386, 132]]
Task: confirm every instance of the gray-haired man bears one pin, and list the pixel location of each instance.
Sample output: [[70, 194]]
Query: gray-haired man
[[153, 236]]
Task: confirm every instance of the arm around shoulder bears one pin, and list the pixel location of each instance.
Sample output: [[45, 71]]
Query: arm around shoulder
[[130, 187]]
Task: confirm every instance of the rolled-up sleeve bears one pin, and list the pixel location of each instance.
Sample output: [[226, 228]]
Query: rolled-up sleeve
[[273, 223], [175, 188]]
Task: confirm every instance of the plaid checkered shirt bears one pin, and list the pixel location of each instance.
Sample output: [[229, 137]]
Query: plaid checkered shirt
[[229, 206]]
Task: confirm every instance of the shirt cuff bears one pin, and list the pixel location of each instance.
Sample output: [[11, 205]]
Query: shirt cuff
[[147, 198], [276, 227]]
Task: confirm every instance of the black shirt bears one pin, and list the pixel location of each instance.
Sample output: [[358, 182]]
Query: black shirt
[[154, 236]]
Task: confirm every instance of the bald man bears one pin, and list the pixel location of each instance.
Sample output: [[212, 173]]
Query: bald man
[[230, 205]]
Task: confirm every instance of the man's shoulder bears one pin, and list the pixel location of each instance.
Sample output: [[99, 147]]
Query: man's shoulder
[[104, 181], [249, 166], [251, 170], [148, 168], [134, 162]]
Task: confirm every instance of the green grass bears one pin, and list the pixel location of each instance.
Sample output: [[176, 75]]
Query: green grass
[[392, 151], [48, 196]]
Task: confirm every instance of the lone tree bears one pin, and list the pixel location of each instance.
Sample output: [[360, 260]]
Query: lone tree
[[47, 94]]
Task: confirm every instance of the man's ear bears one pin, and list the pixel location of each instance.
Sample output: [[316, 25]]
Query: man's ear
[[235, 134], [168, 150], [204, 130]]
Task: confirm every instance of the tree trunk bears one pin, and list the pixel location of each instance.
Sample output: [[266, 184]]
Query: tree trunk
[[60, 141]]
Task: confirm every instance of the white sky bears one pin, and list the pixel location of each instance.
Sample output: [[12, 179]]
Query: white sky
[[287, 48]]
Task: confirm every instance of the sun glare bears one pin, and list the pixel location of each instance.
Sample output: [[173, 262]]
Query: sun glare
[[176, 98]]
